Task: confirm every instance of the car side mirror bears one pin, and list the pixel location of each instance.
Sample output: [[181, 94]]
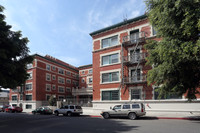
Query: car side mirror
[[111, 107]]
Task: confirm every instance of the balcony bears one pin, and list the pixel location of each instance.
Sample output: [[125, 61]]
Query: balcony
[[135, 58], [133, 39], [135, 79]]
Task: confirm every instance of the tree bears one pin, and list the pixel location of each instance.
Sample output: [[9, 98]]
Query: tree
[[13, 55], [176, 58], [52, 101]]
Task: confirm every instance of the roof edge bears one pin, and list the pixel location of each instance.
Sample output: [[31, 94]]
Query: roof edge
[[118, 24]]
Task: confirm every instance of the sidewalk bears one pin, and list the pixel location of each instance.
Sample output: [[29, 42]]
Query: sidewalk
[[152, 114]]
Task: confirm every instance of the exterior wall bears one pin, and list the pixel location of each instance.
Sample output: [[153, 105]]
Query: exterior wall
[[143, 26], [39, 82], [4, 98]]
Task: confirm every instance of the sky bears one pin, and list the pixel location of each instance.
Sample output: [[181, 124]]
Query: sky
[[60, 28]]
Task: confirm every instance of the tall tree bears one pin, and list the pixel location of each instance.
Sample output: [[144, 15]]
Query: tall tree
[[13, 55], [176, 58]]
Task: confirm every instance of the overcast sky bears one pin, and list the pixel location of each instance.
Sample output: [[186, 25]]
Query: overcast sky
[[61, 28]]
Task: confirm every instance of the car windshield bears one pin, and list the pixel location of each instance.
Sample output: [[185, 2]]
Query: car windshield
[[117, 107]]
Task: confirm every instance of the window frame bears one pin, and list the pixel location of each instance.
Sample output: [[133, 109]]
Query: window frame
[[109, 39]]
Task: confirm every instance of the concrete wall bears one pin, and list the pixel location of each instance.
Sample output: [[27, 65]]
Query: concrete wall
[[155, 105]]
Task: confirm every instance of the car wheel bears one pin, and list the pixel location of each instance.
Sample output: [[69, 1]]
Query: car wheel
[[56, 113], [69, 113], [132, 116], [106, 115]]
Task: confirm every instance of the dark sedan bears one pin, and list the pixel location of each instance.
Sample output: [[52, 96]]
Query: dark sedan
[[42, 110]]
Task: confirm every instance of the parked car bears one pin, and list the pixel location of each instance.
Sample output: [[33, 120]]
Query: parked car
[[13, 109], [69, 110], [4, 107], [42, 110], [132, 111], [1, 108]]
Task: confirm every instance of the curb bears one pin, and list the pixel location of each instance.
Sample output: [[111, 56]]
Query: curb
[[169, 118]]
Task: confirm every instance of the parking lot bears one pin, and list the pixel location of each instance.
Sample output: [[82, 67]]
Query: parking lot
[[28, 123]]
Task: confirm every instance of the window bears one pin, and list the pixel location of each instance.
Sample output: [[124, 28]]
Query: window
[[61, 89], [135, 94], [28, 106], [136, 75], [83, 72], [54, 77], [110, 95], [48, 97], [134, 36], [61, 80], [14, 90], [90, 80], [108, 42], [53, 87], [117, 107], [29, 66], [28, 87], [110, 59], [110, 77], [154, 31], [28, 97], [68, 89], [68, 81], [135, 106], [83, 80], [90, 71], [60, 71], [68, 73], [48, 67], [71, 107], [54, 68], [61, 98], [30, 75], [21, 96], [48, 77], [14, 105], [48, 87], [14, 98], [126, 106]]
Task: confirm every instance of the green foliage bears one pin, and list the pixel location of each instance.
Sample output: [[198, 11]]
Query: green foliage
[[52, 101], [13, 55], [176, 58]]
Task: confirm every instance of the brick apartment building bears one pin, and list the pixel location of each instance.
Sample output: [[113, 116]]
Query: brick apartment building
[[48, 76], [85, 90], [119, 70]]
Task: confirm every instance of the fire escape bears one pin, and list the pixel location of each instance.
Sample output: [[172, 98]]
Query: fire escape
[[132, 58]]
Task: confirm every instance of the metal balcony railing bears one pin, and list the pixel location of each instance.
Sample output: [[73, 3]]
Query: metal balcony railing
[[135, 58], [140, 37], [135, 79]]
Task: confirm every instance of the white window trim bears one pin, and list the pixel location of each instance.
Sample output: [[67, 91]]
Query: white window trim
[[68, 88], [69, 80], [110, 89], [62, 87], [49, 76], [90, 70], [62, 69], [29, 94], [110, 71], [109, 36], [88, 79], [30, 72], [50, 87], [14, 95], [61, 78], [31, 86], [141, 94], [49, 67], [111, 53], [53, 76]]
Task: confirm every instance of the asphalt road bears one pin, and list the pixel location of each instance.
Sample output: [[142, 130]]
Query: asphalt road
[[28, 123]]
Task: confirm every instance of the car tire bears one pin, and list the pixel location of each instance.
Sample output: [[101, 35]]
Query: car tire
[[106, 115], [56, 113], [132, 116], [69, 113]]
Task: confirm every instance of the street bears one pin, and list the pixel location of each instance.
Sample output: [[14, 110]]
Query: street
[[28, 123]]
